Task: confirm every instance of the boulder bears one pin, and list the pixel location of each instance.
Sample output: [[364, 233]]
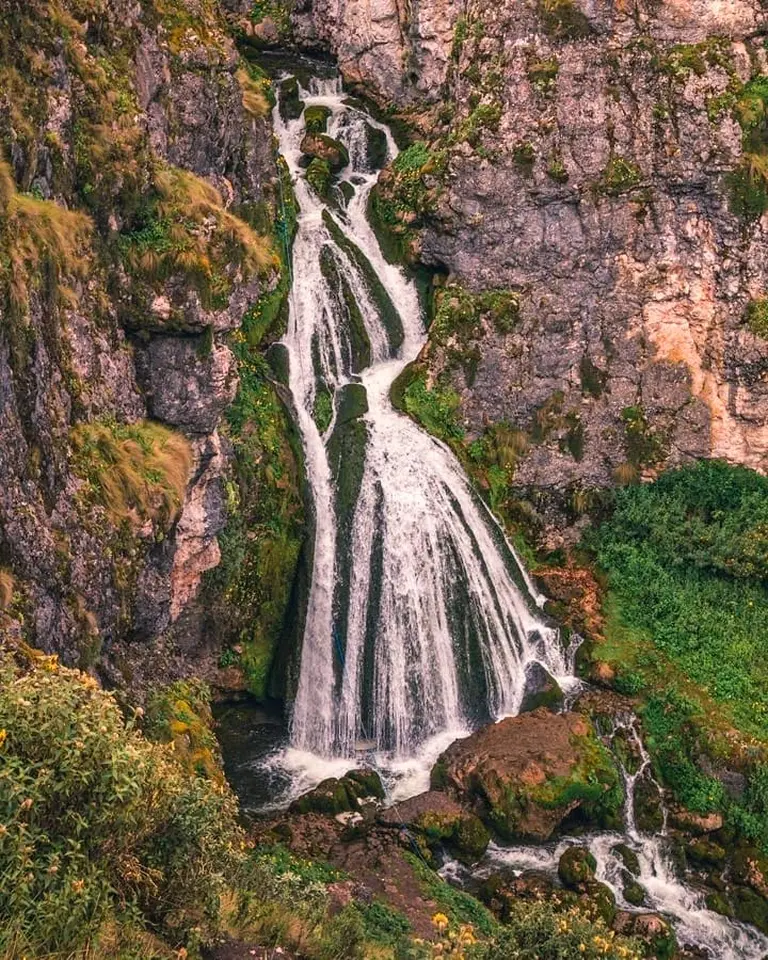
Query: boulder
[[541, 689], [323, 147], [442, 820], [576, 867], [525, 774], [355, 790], [652, 929]]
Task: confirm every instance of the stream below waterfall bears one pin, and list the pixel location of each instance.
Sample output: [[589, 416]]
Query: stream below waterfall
[[421, 623]]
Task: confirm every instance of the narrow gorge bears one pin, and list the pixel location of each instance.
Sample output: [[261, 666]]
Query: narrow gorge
[[383, 424]]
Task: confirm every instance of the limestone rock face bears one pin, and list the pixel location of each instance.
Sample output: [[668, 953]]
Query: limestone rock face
[[395, 52], [112, 342], [587, 163]]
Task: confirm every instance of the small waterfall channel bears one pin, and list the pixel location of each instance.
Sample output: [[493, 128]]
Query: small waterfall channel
[[420, 620], [665, 892]]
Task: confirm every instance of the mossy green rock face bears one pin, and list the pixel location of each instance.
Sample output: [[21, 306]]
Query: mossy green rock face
[[705, 853], [750, 907], [319, 176], [525, 774], [541, 690], [353, 403], [376, 150], [316, 118], [441, 820], [323, 147], [576, 867], [334, 796], [634, 893], [629, 857]]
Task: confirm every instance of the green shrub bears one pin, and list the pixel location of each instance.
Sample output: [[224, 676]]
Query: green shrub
[[435, 407], [687, 561], [97, 823]]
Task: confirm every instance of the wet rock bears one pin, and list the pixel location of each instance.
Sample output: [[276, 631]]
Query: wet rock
[[541, 689], [598, 899], [576, 867], [719, 903], [442, 821], [525, 774], [696, 823], [353, 792], [502, 890], [291, 104], [633, 892], [628, 857], [320, 146], [705, 853], [649, 809], [750, 907]]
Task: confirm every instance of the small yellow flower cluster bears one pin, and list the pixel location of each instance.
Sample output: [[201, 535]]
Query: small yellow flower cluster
[[452, 943]]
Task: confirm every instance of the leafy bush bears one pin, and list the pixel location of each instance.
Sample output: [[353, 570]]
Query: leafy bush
[[435, 407], [98, 823], [180, 714], [539, 931]]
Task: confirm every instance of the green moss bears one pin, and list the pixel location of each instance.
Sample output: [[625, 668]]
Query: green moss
[[323, 409], [756, 316], [556, 170], [685, 59], [543, 73], [319, 176], [435, 407], [524, 154], [458, 906], [593, 379], [619, 176], [643, 444], [316, 118]]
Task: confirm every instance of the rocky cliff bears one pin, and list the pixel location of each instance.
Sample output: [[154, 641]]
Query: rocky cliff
[[605, 163], [137, 186]]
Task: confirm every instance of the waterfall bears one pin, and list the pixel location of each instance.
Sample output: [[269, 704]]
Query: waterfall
[[420, 619], [665, 892]]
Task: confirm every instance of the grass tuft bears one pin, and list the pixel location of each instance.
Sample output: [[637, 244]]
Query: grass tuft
[[136, 471]]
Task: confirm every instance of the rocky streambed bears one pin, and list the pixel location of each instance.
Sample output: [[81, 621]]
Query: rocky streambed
[[543, 806]]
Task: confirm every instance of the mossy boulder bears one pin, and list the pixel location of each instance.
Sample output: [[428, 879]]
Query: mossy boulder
[[442, 820], [653, 930], [629, 858], [705, 853], [316, 118], [750, 868], [633, 891], [750, 907], [334, 796], [599, 900], [319, 176], [322, 147], [353, 402], [541, 689], [526, 774], [576, 867]]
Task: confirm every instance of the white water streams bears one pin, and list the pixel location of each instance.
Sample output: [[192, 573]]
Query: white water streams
[[420, 619], [666, 893]]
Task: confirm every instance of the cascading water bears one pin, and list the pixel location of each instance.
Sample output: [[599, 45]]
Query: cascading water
[[695, 926], [420, 619]]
